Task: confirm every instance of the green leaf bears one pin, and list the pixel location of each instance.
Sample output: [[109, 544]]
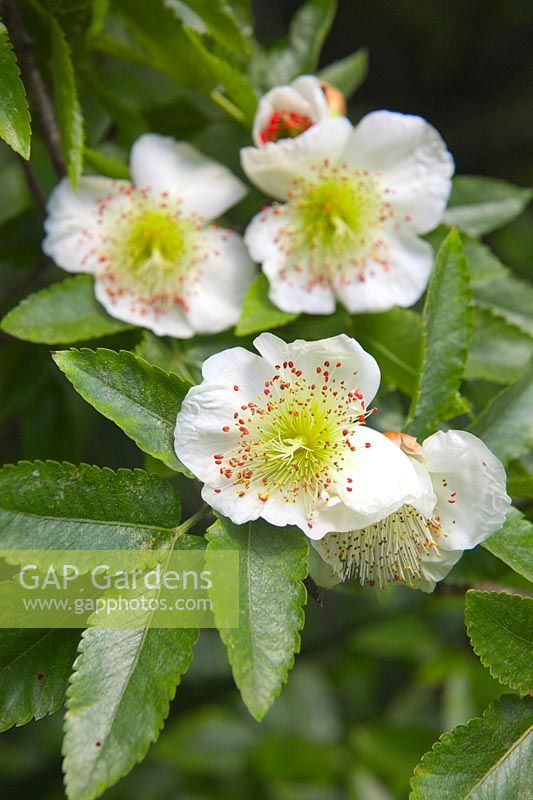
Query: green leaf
[[299, 55], [500, 627], [519, 480], [479, 205], [35, 665], [348, 73], [394, 338], [118, 700], [51, 506], [499, 352], [221, 23], [483, 264], [258, 312], [106, 165], [506, 426], [142, 399], [489, 758], [513, 544], [273, 564], [510, 298], [446, 335], [67, 104], [14, 113], [62, 313]]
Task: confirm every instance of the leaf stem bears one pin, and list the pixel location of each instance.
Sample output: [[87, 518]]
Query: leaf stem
[[186, 526], [226, 105], [39, 98]]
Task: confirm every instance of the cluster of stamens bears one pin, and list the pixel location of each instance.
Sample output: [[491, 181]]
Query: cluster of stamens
[[146, 249], [389, 551], [285, 125], [295, 437], [333, 233]]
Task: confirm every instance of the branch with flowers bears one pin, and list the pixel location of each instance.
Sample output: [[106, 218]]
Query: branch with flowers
[[379, 434]]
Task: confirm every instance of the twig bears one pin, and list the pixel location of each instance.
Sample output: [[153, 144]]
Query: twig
[[34, 186], [314, 591], [39, 98]]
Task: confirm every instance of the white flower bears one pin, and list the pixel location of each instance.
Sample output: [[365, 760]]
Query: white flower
[[155, 261], [465, 502], [282, 436], [286, 112], [357, 200]]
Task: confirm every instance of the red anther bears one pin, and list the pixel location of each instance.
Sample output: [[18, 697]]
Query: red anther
[[235, 388], [225, 428]]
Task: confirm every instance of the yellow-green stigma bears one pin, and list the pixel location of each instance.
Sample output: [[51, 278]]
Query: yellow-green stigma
[[154, 238]]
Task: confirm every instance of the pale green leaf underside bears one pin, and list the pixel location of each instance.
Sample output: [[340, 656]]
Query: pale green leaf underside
[[513, 544], [51, 506], [63, 313], [478, 205], [348, 73], [142, 399], [487, 759], [500, 627], [273, 564]]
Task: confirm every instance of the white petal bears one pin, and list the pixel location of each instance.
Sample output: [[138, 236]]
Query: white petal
[[412, 159], [435, 567], [207, 188], [72, 233], [382, 479], [358, 368], [276, 165], [214, 302], [262, 234], [399, 282], [304, 96], [124, 306], [469, 482], [239, 368]]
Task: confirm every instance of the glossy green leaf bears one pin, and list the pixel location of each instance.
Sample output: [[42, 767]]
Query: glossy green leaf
[[506, 426], [478, 205], [51, 506], [118, 700], [68, 109], [35, 665], [519, 480], [14, 113], [62, 313], [500, 627], [394, 338], [142, 399], [106, 165], [487, 759], [509, 297], [273, 564], [258, 312], [499, 352], [447, 330], [299, 55], [513, 544], [348, 73]]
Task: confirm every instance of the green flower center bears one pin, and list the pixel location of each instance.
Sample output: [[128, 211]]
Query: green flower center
[[156, 238]]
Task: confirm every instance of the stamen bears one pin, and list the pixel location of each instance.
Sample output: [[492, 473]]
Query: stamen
[[285, 125]]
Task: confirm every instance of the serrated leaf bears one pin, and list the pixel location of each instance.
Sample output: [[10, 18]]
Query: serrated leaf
[[35, 665], [50, 506], [258, 312], [68, 109], [221, 23], [63, 313], [506, 426], [478, 205], [499, 352], [273, 564], [299, 55], [484, 265], [489, 758], [394, 338], [447, 330], [142, 399], [118, 700], [14, 112], [500, 627], [348, 73], [513, 544]]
